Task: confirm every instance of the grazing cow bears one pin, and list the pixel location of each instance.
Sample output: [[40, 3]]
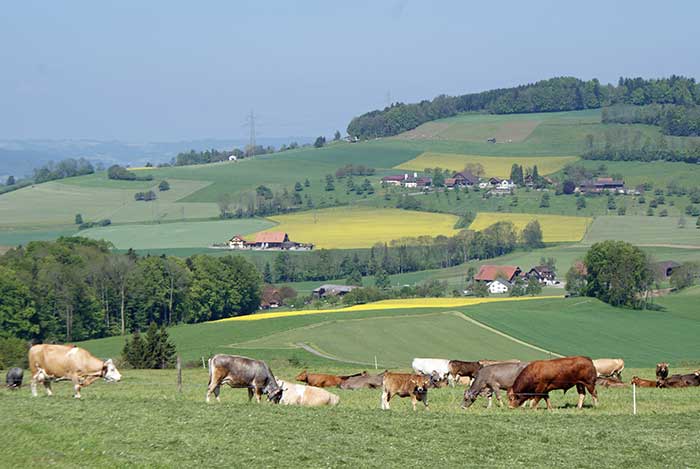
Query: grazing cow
[[410, 385], [610, 382], [364, 380], [242, 372], [643, 383], [437, 381], [607, 367], [491, 379], [458, 368], [542, 376], [48, 362], [321, 380], [680, 381], [14, 378], [426, 366], [308, 396], [661, 371]]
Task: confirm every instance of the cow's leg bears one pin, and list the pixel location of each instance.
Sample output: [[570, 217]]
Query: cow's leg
[[425, 401], [34, 382], [214, 384], [497, 391], [594, 394], [258, 394], [581, 390], [250, 394], [413, 401], [535, 400], [549, 403], [386, 396]]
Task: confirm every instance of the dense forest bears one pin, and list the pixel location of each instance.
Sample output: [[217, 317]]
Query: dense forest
[[680, 121], [621, 144], [555, 94], [76, 288]]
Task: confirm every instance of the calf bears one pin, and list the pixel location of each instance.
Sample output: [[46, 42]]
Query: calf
[[542, 376], [492, 379], [643, 383], [14, 378], [607, 367], [365, 380], [610, 382], [680, 381], [414, 386], [321, 380], [242, 372], [661, 371], [458, 368], [308, 396]]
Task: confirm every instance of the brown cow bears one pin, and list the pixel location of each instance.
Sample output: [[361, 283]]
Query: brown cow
[[661, 371], [321, 380], [460, 368], [496, 362], [405, 385], [610, 382], [49, 362], [364, 380], [643, 383], [542, 376]]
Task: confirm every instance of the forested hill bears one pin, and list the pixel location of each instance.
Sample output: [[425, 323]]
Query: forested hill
[[555, 94]]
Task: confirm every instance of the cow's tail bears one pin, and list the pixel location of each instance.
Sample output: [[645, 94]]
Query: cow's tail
[[211, 369]]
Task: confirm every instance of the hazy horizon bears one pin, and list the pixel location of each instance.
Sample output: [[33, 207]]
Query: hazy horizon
[[173, 71]]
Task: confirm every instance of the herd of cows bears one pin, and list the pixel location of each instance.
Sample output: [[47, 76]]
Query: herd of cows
[[523, 381]]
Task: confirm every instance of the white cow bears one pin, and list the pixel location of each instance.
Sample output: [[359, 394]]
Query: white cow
[[427, 366], [309, 396]]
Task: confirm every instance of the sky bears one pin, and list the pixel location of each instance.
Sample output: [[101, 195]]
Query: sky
[[172, 70]]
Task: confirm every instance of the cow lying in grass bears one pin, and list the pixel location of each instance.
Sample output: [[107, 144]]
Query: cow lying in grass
[[410, 385], [308, 396], [322, 380], [643, 383], [364, 380], [680, 381], [610, 382]]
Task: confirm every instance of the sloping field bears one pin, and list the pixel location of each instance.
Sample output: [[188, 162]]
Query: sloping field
[[448, 334], [587, 326], [504, 131], [659, 231], [359, 227], [176, 235], [555, 228], [493, 166], [55, 203]]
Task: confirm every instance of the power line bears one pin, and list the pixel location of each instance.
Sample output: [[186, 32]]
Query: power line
[[250, 122]]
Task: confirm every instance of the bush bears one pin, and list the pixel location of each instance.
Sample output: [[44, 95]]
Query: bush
[[13, 352], [121, 173], [154, 352], [163, 186]]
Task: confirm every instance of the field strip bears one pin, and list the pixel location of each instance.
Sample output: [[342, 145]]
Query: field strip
[[389, 304], [502, 334], [325, 355]]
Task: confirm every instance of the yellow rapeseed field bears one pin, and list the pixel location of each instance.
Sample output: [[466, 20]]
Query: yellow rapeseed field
[[555, 228], [493, 165], [360, 227], [389, 304]]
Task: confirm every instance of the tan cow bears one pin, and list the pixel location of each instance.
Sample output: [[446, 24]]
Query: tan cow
[[405, 385], [49, 362], [308, 396], [607, 367]]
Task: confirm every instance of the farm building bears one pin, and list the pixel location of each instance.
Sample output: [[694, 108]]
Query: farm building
[[406, 180], [395, 180], [501, 185], [489, 273], [465, 179], [599, 185], [273, 240], [664, 269], [332, 290], [543, 274], [499, 286]]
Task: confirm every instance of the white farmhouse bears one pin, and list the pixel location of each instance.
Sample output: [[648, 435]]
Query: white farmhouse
[[499, 286]]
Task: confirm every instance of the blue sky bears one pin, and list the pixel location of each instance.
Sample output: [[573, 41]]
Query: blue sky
[[178, 70]]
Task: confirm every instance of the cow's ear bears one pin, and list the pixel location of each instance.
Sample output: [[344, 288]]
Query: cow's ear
[[109, 362]]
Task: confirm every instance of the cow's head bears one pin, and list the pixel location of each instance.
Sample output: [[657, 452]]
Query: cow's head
[[515, 400], [662, 370], [470, 396], [274, 393], [303, 376], [110, 372], [421, 383]]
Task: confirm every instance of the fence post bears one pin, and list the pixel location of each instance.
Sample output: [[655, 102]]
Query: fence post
[[179, 374], [634, 399], [375, 362], [203, 365]]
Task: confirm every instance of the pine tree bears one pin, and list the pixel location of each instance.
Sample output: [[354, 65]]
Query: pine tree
[[381, 279], [160, 352], [134, 351]]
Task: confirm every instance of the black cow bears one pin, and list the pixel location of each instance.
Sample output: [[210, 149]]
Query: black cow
[[14, 377], [242, 372]]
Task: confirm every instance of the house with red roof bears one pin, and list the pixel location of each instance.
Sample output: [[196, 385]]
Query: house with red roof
[[499, 278], [273, 240]]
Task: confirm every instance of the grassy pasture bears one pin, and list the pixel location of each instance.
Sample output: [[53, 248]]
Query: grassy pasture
[[658, 173], [555, 228], [55, 204], [176, 235], [493, 166], [361, 227], [661, 231], [142, 421]]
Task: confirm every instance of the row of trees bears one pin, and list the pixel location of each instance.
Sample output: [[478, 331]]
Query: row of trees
[[681, 121], [620, 144], [402, 255], [121, 173], [354, 170], [215, 156], [63, 169], [76, 288], [555, 94]]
